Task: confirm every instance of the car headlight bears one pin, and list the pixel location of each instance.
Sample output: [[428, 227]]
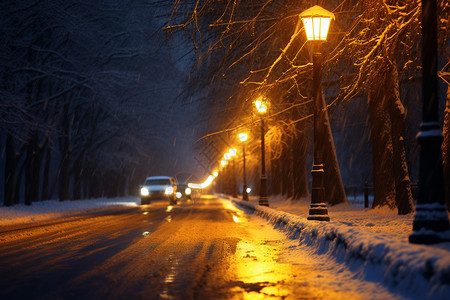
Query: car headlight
[[179, 195], [169, 190], [144, 191], [187, 191]]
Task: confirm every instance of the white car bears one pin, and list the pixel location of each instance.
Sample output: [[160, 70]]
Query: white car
[[159, 187]]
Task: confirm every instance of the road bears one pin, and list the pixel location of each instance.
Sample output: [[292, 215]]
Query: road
[[202, 250]]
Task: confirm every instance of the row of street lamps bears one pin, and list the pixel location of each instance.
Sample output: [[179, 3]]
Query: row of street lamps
[[316, 21], [431, 223]]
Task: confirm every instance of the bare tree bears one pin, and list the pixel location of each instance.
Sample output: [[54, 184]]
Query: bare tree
[[78, 79], [258, 45]]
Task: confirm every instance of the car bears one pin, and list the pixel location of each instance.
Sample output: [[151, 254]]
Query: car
[[159, 187], [184, 191]]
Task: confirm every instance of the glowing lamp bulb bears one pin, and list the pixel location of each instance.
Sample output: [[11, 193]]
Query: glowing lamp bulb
[[316, 21], [243, 137], [261, 106]]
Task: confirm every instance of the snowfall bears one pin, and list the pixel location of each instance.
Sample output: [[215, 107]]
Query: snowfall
[[358, 244]]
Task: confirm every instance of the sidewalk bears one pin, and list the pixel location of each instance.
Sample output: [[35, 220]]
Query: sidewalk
[[374, 243]]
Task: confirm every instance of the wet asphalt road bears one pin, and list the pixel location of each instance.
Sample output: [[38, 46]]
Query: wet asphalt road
[[202, 250]]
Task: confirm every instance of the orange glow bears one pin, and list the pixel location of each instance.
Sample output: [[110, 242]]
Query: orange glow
[[207, 182], [316, 21], [261, 105], [243, 136]]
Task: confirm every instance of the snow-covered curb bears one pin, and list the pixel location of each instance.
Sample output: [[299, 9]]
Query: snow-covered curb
[[413, 270], [51, 210]]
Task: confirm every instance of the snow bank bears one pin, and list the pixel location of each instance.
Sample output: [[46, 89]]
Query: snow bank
[[54, 209], [417, 271]]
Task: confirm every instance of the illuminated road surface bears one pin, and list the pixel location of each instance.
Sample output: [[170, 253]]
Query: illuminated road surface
[[201, 250]]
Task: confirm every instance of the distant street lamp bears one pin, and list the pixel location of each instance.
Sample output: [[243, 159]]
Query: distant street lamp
[[431, 224], [261, 107], [233, 153], [316, 21], [225, 174], [243, 138]]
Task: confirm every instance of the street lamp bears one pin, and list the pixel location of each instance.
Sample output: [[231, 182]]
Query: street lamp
[[233, 153], [223, 163], [316, 21], [431, 224], [243, 138], [261, 107]]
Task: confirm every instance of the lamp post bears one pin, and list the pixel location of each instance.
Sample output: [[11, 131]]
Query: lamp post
[[317, 21], [431, 224], [227, 157], [223, 163], [243, 138], [233, 153], [229, 185], [261, 107]]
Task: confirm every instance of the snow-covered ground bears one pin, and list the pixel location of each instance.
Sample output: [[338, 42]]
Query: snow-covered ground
[[371, 244], [52, 210], [360, 243]]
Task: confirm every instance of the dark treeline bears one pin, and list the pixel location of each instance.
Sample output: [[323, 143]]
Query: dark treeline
[[85, 88]]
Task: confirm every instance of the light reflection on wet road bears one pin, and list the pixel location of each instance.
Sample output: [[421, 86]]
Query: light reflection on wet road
[[202, 250]]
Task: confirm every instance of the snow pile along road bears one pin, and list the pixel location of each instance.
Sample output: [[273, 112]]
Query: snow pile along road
[[44, 211], [414, 270]]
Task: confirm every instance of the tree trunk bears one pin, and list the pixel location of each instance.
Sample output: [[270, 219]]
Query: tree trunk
[[45, 195], [64, 177], [32, 169], [382, 152], [446, 149], [301, 188], [286, 187], [77, 185], [334, 188], [275, 175], [29, 165], [10, 172], [65, 165], [19, 186], [403, 195]]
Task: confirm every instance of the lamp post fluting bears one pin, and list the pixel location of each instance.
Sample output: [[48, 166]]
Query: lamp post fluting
[[263, 200], [318, 209], [243, 139], [316, 21], [261, 106], [431, 223]]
